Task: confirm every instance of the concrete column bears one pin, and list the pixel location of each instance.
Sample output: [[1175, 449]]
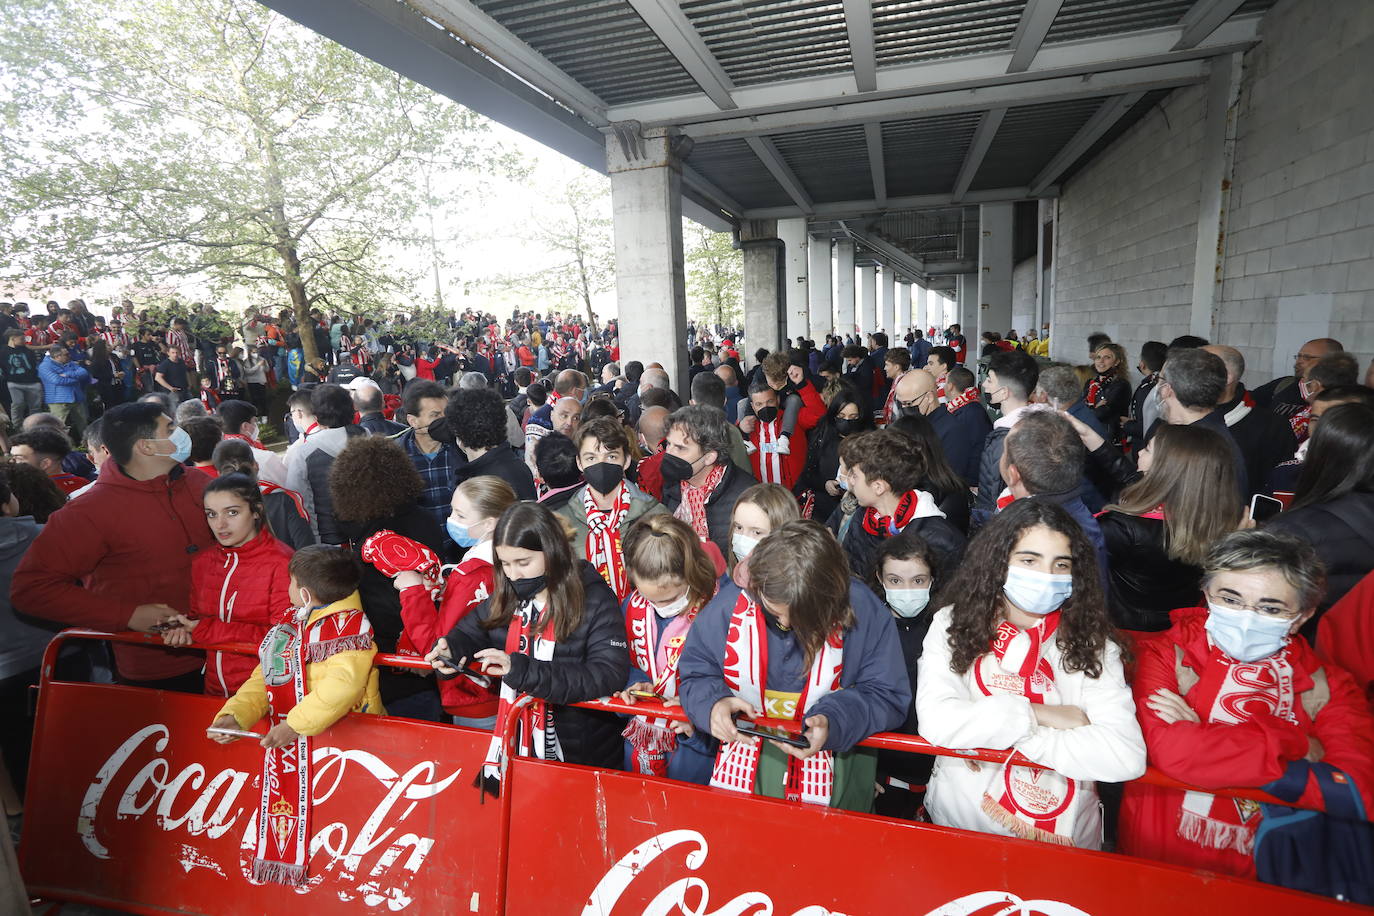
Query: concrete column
[[845, 321], [904, 319], [763, 294], [888, 296], [818, 289], [966, 307], [868, 299], [794, 243], [920, 314], [1218, 155], [994, 270], [646, 204]]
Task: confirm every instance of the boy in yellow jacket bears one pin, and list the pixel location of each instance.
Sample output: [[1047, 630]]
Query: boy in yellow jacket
[[315, 665]]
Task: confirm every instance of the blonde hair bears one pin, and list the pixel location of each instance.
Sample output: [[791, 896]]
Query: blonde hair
[[776, 502], [490, 496], [661, 546]]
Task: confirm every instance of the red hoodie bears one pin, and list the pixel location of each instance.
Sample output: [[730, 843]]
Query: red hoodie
[[237, 593], [127, 541]]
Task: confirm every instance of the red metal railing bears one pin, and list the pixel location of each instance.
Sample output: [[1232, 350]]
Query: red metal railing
[[883, 740]]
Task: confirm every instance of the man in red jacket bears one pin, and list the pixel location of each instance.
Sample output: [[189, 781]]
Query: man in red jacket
[[772, 463], [120, 557]]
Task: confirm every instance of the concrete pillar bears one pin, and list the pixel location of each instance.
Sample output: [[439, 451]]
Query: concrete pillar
[[888, 296], [646, 207], [904, 319], [994, 270], [845, 321], [920, 314], [868, 299], [763, 294], [966, 307], [794, 244], [1218, 156], [818, 289]]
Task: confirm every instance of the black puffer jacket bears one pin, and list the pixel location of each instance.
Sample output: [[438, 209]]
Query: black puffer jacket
[[593, 662], [1145, 584], [720, 505], [1342, 530], [860, 546]]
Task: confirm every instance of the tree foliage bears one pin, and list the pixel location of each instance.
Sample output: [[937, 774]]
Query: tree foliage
[[715, 276], [161, 138]]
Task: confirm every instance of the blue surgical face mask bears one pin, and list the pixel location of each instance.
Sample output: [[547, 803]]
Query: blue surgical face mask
[[1035, 592], [460, 533], [844, 483], [742, 545], [907, 602], [1244, 635], [181, 445]]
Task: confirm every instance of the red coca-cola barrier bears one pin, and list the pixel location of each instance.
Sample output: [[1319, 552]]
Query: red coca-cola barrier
[[131, 806]]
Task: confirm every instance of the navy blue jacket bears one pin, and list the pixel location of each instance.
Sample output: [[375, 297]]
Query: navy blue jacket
[[876, 692], [963, 434]]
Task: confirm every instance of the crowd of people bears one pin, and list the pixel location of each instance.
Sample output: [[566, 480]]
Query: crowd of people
[[991, 550]]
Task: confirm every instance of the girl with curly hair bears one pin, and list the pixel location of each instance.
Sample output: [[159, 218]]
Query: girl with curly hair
[[374, 487], [1026, 658]]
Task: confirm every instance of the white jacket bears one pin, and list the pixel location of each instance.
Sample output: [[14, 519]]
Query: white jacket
[[954, 713]]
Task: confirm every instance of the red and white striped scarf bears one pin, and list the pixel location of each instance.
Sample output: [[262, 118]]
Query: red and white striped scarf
[[1033, 804], [912, 504], [770, 462], [603, 539], [652, 741], [969, 396], [1301, 422], [1247, 689], [282, 853], [534, 717], [746, 674], [692, 508]]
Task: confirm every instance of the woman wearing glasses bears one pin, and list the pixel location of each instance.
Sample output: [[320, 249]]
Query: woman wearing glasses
[[1232, 697]]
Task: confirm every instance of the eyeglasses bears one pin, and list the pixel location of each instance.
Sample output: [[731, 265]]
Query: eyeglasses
[[1268, 610], [1306, 357]]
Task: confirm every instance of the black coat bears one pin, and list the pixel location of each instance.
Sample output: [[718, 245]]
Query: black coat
[[963, 434], [1112, 405], [720, 505], [1342, 531], [911, 768], [1264, 438], [593, 662], [502, 462], [1145, 585], [381, 601], [822, 464], [861, 547]]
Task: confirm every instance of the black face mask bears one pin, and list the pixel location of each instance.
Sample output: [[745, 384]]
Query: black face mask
[[846, 427], [766, 414], [675, 469], [441, 431], [525, 589], [603, 477]]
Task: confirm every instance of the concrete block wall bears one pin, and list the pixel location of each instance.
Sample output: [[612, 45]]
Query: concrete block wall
[[1299, 245], [1300, 224], [1126, 234]]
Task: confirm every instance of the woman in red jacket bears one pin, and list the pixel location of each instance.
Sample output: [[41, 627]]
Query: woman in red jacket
[[477, 504], [237, 585], [1233, 697]]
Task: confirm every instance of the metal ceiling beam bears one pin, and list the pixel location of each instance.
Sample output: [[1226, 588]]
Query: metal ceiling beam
[[1202, 19], [466, 20], [977, 149], [680, 37], [858, 20], [1069, 58], [772, 160], [1112, 110], [700, 183], [852, 209], [887, 253], [397, 37], [955, 101], [877, 167], [1031, 30]]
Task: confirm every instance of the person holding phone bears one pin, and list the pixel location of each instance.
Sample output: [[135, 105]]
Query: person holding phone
[[553, 633], [673, 579], [805, 642], [1026, 658]]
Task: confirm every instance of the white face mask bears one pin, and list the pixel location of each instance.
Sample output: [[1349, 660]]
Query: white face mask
[[672, 608], [1036, 592], [743, 545], [907, 602]]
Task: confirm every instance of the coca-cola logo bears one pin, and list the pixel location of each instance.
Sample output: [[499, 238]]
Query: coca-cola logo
[[371, 852], [692, 895]]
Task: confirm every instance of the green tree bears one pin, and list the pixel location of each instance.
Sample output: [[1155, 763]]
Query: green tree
[[215, 138], [715, 276], [576, 227]]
